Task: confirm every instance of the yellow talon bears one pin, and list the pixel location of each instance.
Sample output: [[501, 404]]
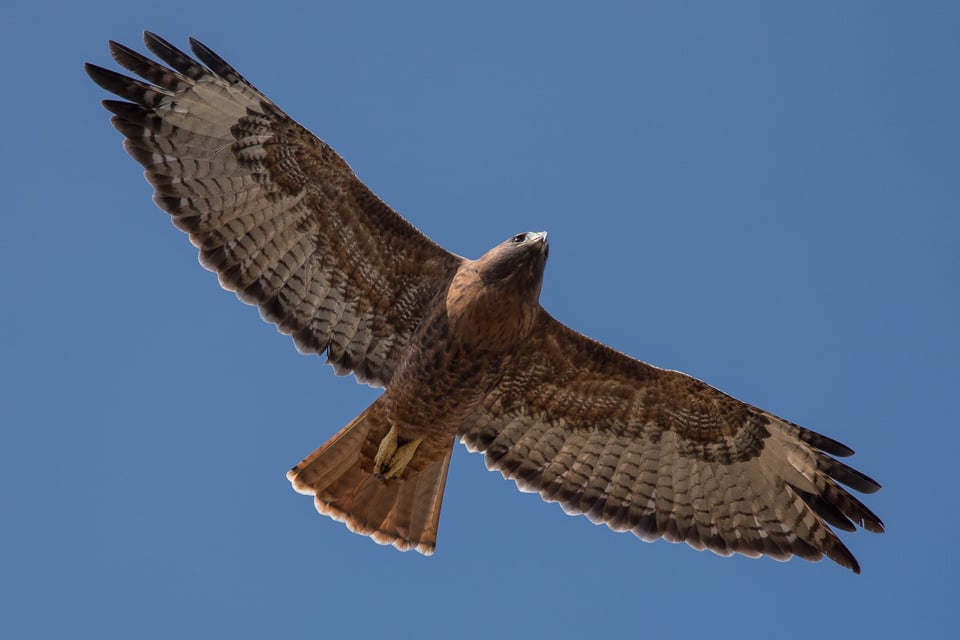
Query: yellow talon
[[391, 460], [402, 458], [388, 446]]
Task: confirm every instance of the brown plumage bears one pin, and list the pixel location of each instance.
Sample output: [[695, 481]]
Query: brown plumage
[[462, 347]]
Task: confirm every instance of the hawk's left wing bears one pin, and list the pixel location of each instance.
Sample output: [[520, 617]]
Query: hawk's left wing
[[662, 454]]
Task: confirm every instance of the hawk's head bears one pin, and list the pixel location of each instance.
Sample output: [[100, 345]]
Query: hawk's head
[[516, 263]]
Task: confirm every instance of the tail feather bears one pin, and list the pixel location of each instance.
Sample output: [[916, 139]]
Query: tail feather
[[404, 512]]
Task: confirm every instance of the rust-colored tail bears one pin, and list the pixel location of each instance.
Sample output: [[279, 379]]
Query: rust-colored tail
[[402, 511]]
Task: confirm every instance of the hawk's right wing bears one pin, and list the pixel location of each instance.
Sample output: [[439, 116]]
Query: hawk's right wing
[[275, 211]]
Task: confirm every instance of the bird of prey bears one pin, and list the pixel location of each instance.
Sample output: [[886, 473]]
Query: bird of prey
[[462, 347]]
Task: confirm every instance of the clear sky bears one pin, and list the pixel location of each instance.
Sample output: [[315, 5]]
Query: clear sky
[[764, 195]]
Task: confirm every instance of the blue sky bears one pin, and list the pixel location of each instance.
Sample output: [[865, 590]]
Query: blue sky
[[763, 195]]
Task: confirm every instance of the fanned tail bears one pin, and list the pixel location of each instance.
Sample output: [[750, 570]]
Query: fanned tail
[[404, 511]]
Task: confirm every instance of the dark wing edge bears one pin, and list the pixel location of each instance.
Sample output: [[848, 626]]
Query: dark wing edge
[[664, 455], [275, 211]]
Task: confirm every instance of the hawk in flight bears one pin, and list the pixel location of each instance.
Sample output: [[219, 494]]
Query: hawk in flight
[[462, 347]]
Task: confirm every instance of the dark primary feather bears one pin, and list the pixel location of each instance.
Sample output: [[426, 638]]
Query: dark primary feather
[[275, 211], [216, 64], [173, 56]]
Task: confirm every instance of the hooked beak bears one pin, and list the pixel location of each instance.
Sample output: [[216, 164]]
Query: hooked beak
[[540, 238]]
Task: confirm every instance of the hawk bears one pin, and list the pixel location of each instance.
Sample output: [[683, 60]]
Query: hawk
[[462, 347]]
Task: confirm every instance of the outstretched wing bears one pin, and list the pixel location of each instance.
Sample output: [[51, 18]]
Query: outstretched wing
[[662, 454], [275, 211]]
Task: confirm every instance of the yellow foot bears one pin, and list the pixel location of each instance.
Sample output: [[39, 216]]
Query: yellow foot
[[391, 460], [388, 446], [401, 459]]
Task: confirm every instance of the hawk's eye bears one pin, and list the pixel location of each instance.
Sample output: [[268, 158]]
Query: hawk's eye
[[520, 237]]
